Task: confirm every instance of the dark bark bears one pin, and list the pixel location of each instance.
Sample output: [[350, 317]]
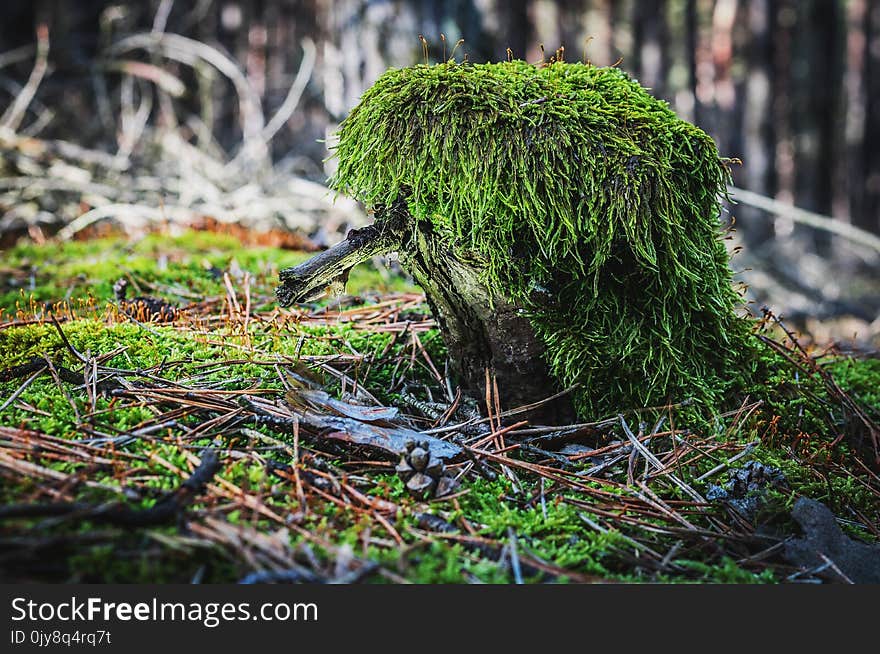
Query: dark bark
[[850, 189], [817, 48], [651, 44], [782, 105], [514, 29], [482, 329], [691, 39], [868, 213], [758, 130], [725, 14], [330, 268]]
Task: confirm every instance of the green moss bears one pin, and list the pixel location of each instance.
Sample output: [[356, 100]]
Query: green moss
[[727, 571], [797, 441], [585, 199], [143, 348], [861, 379], [182, 268]]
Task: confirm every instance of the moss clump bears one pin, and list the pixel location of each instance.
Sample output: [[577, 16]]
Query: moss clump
[[586, 201]]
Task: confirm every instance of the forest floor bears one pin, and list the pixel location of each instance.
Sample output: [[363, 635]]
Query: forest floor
[[203, 434]]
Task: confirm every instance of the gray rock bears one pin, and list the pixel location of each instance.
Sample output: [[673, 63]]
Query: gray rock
[[860, 562]]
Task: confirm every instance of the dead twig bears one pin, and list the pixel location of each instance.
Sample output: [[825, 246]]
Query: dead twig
[[13, 115]]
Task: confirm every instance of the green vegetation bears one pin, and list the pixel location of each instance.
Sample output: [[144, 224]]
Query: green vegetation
[[795, 429], [184, 266], [585, 199]]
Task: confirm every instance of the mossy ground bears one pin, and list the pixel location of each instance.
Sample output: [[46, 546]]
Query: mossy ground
[[225, 537]]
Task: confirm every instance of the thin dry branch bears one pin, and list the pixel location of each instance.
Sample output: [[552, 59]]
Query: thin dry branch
[[189, 51], [13, 116]]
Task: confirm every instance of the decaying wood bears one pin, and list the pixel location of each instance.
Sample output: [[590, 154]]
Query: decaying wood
[[482, 328], [330, 268], [383, 439]]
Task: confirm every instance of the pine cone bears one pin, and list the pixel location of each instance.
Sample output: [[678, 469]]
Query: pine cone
[[424, 474]]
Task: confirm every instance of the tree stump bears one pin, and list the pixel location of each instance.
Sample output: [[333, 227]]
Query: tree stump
[[483, 331], [565, 227]]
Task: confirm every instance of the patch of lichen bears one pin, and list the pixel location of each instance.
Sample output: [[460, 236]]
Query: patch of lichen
[[586, 200]]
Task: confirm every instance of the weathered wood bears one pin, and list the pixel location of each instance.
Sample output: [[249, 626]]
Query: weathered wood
[[309, 280], [482, 328]]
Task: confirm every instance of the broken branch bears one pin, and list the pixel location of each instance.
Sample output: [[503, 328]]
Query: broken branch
[[309, 279]]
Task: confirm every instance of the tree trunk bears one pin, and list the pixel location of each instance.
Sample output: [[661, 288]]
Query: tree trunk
[[482, 330], [758, 138], [651, 51], [868, 214], [815, 115], [692, 37], [850, 188]]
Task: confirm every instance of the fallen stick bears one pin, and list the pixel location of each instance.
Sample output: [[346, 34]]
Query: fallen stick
[[163, 512], [308, 280]]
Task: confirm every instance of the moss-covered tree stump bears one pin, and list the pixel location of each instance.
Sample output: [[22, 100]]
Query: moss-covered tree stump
[[563, 223]]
